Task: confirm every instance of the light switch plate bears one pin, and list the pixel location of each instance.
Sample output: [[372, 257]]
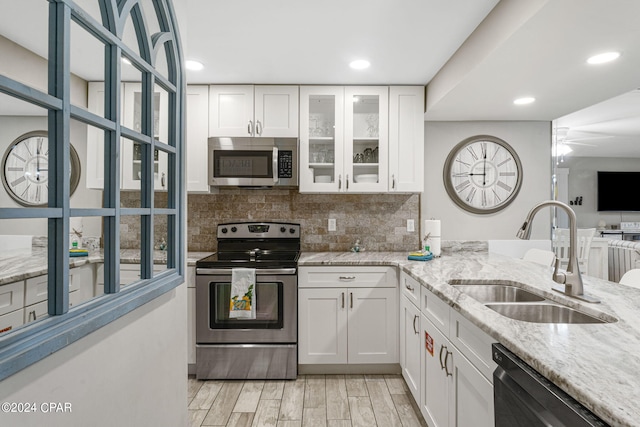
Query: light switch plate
[[332, 224], [411, 225]]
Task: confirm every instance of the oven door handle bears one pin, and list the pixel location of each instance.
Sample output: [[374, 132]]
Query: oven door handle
[[259, 272]]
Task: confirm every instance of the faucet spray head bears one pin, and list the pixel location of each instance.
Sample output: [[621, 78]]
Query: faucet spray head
[[524, 232]]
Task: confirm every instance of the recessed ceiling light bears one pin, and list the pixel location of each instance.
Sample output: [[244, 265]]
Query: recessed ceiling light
[[359, 64], [524, 101], [603, 57], [193, 65]]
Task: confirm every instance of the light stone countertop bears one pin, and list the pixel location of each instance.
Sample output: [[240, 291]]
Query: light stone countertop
[[597, 364], [26, 264]]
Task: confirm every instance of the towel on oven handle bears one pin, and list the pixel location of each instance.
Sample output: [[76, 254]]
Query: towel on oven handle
[[243, 293]]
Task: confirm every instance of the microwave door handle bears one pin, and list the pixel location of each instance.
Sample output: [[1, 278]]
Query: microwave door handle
[[275, 165]]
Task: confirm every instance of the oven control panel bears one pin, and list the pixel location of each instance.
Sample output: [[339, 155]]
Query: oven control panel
[[250, 230]]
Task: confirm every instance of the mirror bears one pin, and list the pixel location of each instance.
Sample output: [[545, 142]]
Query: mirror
[[602, 137]]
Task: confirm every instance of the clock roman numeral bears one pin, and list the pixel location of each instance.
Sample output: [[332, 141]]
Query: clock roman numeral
[[495, 152], [15, 169], [464, 184], [483, 149], [15, 155], [38, 190], [504, 161], [18, 181], [459, 174], [471, 194], [473, 153], [504, 186], [507, 174], [25, 191], [495, 195], [484, 198], [460, 161]]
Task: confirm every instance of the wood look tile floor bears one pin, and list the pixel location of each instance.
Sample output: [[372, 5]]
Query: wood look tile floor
[[310, 400]]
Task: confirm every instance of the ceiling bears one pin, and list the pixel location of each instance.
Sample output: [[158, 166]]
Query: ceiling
[[474, 63]]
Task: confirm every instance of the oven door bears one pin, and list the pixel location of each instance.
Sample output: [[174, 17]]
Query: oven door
[[276, 308]]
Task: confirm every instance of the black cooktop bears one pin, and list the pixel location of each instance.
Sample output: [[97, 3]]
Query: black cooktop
[[250, 259]]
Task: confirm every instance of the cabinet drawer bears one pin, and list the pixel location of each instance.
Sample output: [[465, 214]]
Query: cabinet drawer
[[36, 312], [11, 297], [435, 309], [11, 320], [352, 277], [410, 288], [474, 343], [36, 290]]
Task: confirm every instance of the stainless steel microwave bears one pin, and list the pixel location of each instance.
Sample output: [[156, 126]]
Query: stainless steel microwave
[[253, 162]]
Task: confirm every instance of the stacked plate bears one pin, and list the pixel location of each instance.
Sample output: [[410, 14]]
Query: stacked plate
[[366, 178]]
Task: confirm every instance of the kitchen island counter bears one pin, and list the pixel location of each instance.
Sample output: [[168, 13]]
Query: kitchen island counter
[[597, 364]]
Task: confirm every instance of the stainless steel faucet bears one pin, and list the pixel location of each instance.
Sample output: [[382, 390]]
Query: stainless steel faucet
[[571, 279]]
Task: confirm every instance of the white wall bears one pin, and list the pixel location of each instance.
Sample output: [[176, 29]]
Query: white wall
[[132, 372], [532, 142], [583, 182]]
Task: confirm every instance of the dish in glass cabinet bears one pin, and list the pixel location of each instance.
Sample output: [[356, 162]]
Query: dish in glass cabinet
[[366, 178], [323, 178]]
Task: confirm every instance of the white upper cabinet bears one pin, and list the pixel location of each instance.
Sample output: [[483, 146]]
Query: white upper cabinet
[[406, 139], [196, 137], [253, 111], [361, 139]]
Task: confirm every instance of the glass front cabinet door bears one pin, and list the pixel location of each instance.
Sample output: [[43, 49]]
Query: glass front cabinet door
[[321, 139], [344, 139]]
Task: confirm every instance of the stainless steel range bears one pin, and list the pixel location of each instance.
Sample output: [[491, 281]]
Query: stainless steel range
[[264, 346]]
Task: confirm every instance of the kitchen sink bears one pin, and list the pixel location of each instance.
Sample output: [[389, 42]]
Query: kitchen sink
[[510, 300], [544, 313], [485, 293]]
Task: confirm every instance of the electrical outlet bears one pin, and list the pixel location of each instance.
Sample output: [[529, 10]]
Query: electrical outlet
[[411, 225], [332, 224]]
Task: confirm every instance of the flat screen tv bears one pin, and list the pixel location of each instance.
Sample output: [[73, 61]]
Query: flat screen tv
[[618, 191]]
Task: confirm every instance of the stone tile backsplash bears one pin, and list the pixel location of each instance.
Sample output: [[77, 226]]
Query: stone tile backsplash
[[378, 220]]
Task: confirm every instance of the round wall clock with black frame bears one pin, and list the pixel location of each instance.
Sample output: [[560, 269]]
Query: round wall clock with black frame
[[482, 174], [25, 169]]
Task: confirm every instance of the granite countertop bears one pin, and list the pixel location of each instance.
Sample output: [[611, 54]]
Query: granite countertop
[[597, 364], [23, 265]]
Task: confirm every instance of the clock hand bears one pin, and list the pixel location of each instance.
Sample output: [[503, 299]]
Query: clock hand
[[37, 164], [484, 169]]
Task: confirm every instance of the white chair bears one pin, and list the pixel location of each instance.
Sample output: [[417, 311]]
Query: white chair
[[540, 256], [631, 278], [561, 247]]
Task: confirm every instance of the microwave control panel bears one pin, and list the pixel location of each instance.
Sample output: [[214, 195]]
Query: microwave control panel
[[285, 164]]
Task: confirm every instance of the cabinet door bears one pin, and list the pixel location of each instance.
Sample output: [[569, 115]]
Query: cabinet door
[[321, 139], [196, 138], [322, 326], [276, 111], [10, 321], [472, 402], [231, 111], [131, 152], [406, 138], [435, 384], [410, 345], [366, 138], [372, 325], [94, 170]]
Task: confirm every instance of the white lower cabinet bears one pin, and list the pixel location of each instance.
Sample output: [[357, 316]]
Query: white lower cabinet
[[410, 344], [454, 391], [347, 315]]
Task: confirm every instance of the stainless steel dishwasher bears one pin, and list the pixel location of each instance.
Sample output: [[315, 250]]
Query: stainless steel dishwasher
[[524, 398]]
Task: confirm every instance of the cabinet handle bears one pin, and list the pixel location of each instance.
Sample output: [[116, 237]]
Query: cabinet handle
[[440, 357], [258, 127], [339, 182], [250, 127], [163, 180], [342, 299], [351, 299], [347, 181], [414, 325], [33, 312], [393, 182], [446, 368], [347, 278], [409, 287]]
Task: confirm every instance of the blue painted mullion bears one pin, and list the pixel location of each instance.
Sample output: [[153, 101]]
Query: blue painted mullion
[[59, 187], [147, 184], [111, 194]]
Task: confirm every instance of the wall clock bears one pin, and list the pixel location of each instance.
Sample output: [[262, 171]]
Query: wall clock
[[482, 174], [25, 169]]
